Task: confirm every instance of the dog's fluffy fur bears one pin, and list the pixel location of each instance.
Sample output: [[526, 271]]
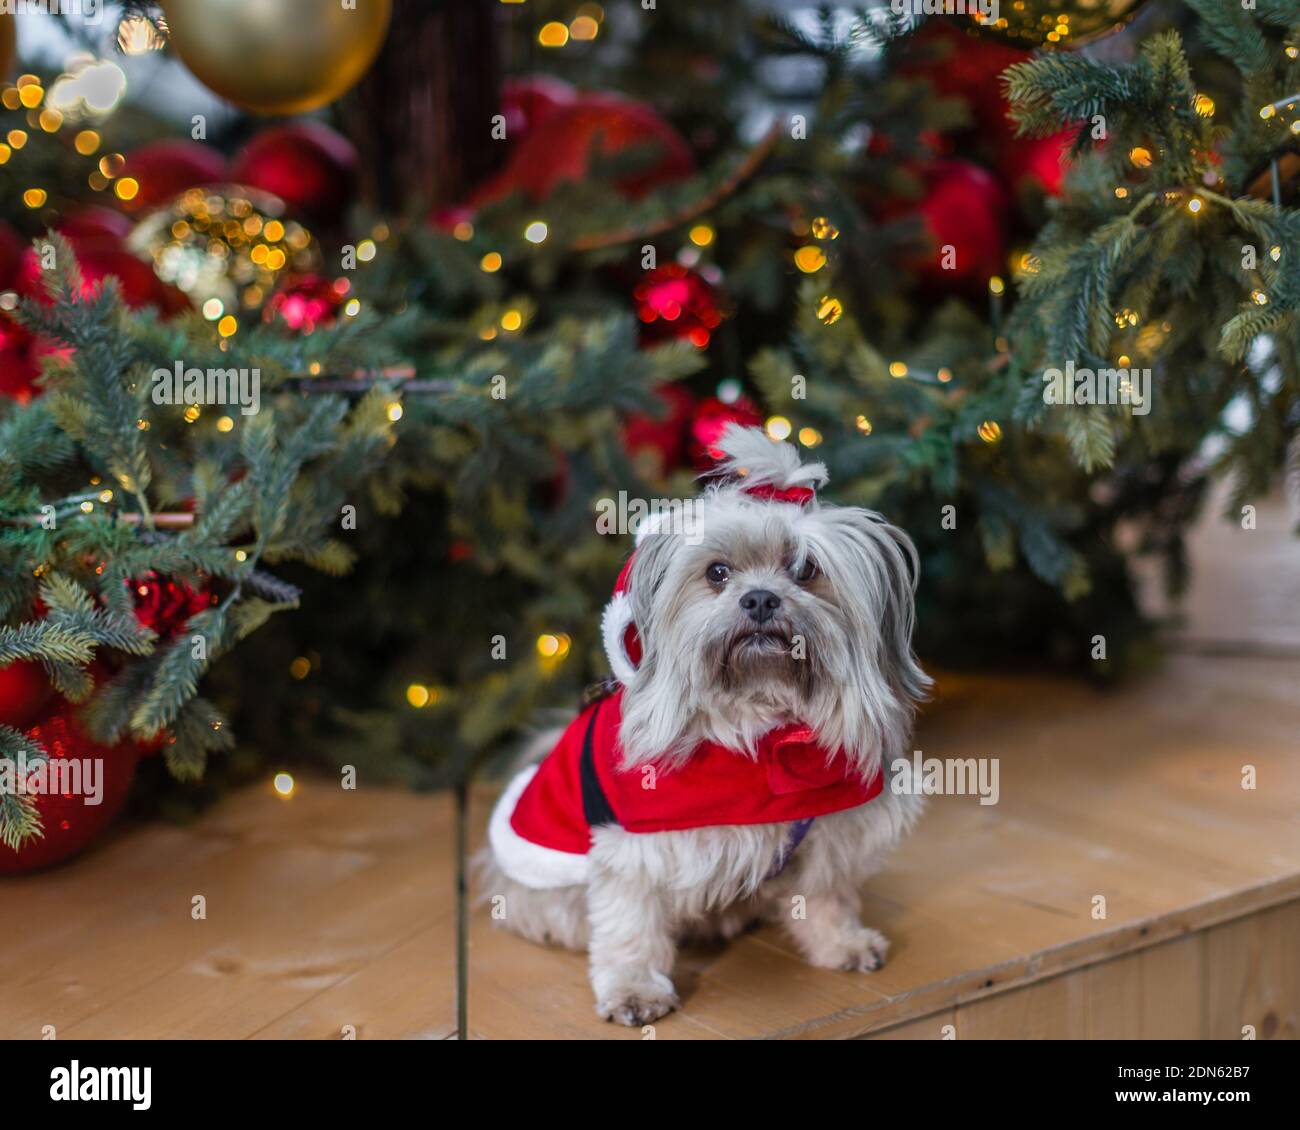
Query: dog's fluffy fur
[[836, 655]]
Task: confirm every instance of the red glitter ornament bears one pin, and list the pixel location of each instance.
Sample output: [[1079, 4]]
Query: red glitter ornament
[[68, 821], [711, 419], [665, 433], [309, 166], [18, 361], [674, 302], [303, 302], [24, 691], [166, 605]]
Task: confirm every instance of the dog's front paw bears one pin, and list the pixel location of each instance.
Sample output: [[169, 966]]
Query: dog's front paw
[[638, 1003], [861, 950]]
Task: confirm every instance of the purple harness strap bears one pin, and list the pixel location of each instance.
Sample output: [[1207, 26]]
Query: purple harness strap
[[798, 830]]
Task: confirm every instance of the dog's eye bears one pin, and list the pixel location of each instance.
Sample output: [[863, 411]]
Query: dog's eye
[[718, 572], [807, 571]]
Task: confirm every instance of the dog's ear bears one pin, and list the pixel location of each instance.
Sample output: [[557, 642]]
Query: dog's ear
[[875, 565]]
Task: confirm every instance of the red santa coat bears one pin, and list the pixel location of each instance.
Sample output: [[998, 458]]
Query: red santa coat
[[541, 827]]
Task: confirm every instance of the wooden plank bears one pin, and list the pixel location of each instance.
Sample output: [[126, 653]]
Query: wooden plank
[[1252, 971], [306, 900]]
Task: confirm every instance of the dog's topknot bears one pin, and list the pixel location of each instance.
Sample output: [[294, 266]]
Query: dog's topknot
[[754, 459]]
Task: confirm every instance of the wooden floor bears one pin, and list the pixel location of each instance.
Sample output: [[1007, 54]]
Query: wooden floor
[[328, 914], [1133, 797], [333, 913]]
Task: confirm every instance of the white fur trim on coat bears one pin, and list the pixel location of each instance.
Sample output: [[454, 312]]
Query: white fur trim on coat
[[522, 860], [613, 628]]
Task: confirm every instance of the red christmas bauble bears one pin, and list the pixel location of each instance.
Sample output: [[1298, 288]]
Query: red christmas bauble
[[304, 302], [18, 361], [166, 605], [100, 256], [674, 302], [529, 100], [69, 823], [567, 141], [165, 169], [710, 420], [666, 433], [93, 222], [11, 255], [24, 693], [963, 212], [1036, 162], [309, 166], [966, 67]]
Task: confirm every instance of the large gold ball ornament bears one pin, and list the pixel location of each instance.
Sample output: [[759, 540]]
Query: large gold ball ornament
[[224, 246], [277, 56], [1057, 23]]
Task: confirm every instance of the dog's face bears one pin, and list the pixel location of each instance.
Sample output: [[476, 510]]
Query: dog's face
[[773, 611]]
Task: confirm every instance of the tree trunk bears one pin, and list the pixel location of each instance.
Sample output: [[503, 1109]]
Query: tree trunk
[[422, 117]]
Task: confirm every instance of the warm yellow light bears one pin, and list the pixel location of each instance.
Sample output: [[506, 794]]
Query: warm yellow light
[[274, 231], [548, 646], [241, 555], [1140, 156], [1275, 253], [990, 431], [213, 308], [810, 259], [536, 232], [35, 197], [553, 34], [352, 307], [491, 262], [105, 496], [463, 231], [366, 250], [275, 258], [945, 375], [809, 437], [225, 424], [1203, 104], [417, 694], [17, 138], [829, 309], [30, 96], [5, 153], [822, 228], [192, 413], [227, 326], [127, 188], [778, 428], [1121, 192], [511, 321], [283, 785], [701, 235], [112, 164], [863, 425], [300, 668], [1267, 112], [996, 285], [1259, 298], [50, 120], [86, 142], [897, 369], [584, 27], [394, 411], [1195, 204], [87, 507]]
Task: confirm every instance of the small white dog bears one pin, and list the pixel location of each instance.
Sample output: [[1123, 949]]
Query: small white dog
[[767, 679]]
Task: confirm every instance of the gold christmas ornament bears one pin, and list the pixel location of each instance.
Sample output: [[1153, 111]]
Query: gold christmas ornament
[[277, 56], [224, 246], [1057, 23]]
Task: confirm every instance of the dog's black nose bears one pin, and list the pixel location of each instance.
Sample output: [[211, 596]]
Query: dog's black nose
[[760, 604]]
